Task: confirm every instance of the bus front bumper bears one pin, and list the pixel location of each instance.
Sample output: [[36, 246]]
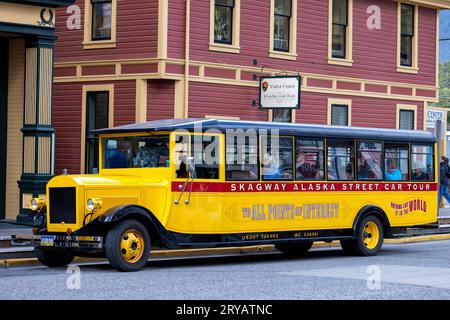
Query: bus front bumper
[[58, 241]]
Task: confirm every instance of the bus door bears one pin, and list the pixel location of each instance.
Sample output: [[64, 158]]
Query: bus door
[[197, 173]]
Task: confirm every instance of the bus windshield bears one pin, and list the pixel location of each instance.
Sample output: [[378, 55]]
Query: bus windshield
[[136, 152]]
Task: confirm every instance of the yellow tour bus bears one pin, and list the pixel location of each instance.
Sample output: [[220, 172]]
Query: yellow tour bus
[[206, 183]]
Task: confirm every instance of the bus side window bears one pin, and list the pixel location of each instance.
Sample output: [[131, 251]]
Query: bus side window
[[422, 163], [309, 155], [396, 162], [242, 158], [205, 153], [181, 154], [340, 160], [369, 160], [277, 158]]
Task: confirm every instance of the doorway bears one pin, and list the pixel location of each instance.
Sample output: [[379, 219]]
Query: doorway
[[4, 63]]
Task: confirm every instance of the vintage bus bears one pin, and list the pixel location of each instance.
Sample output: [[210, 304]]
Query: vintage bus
[[198, 183]]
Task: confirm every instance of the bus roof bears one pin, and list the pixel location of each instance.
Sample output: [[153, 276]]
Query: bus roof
[[291, 129]]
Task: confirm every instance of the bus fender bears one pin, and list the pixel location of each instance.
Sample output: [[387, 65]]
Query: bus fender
[[143, 215], [379, 213]]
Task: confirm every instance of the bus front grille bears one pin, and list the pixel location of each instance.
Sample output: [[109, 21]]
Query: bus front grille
[[62, 205]]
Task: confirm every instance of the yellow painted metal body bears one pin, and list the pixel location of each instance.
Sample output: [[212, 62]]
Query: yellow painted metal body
[[225, 207]]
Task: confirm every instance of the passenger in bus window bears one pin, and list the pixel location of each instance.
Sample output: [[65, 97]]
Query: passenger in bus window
[[349, 171], [363, 169], [271, 169], [305, 169], [419, 172], [369, 166], [115, 158], [392, 171]]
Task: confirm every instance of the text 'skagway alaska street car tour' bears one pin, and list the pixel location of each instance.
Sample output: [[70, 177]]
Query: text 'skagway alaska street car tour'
[[197, 183]]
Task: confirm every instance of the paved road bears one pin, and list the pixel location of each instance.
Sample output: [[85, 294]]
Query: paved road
[[406, 271]]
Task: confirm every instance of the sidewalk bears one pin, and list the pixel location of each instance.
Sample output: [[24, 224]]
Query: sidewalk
[[8, 228]]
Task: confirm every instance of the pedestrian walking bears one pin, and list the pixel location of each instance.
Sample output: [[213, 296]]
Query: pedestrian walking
[[444, 180]]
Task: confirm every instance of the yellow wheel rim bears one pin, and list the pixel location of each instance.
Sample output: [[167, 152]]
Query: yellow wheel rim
[[371, 235], [132, 246]]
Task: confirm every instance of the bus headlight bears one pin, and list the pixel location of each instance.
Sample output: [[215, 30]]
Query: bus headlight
[[37, 204], [94, 204]]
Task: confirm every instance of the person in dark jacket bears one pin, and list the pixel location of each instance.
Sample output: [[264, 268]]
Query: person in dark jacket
[[443, 180]]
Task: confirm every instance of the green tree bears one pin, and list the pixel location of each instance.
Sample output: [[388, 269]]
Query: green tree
[[444, 84]]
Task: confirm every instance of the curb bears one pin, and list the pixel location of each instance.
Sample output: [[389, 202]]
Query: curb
[[6, 263]]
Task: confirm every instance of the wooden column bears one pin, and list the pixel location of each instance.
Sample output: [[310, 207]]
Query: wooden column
[[38, 131]]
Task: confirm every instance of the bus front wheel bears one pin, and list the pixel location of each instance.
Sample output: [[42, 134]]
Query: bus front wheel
[[369, 239], [295, 249], [127, 246]]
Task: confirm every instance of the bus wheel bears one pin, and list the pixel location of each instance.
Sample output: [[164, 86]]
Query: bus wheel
[[295, 249], [369, 238], [127, 246], [53, 257]]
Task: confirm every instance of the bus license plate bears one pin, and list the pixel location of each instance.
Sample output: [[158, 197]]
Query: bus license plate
[[47, 241]]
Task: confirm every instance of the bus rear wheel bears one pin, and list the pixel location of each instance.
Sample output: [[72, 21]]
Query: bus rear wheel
[[127, 246], [295, 249], [369, 239], [54, 257]]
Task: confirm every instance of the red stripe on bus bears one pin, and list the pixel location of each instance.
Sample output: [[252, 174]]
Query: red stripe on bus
[[239, 187]]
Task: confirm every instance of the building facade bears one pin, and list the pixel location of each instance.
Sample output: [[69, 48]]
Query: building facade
[[27, 40], [363, 63]]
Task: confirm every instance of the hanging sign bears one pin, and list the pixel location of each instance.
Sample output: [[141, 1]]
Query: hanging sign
[[279, 92]]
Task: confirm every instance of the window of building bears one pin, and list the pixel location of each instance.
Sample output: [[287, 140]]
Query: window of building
[[407, 35], [396, 162], [282, 25], [283, 29], [422, 163], [406, 120], [242, 158], [99, 24], [223, 21], [340, 160], [407, 41], [101, 19], [282, 115], [277, 158], [340, 25], [309, 154], [339, 115], [97, 117], [340, 32], [224, 25], [370, 160]]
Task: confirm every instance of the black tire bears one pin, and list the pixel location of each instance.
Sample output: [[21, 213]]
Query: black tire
[[113, 246], [54, 257], [359, 246], [295, 249]]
